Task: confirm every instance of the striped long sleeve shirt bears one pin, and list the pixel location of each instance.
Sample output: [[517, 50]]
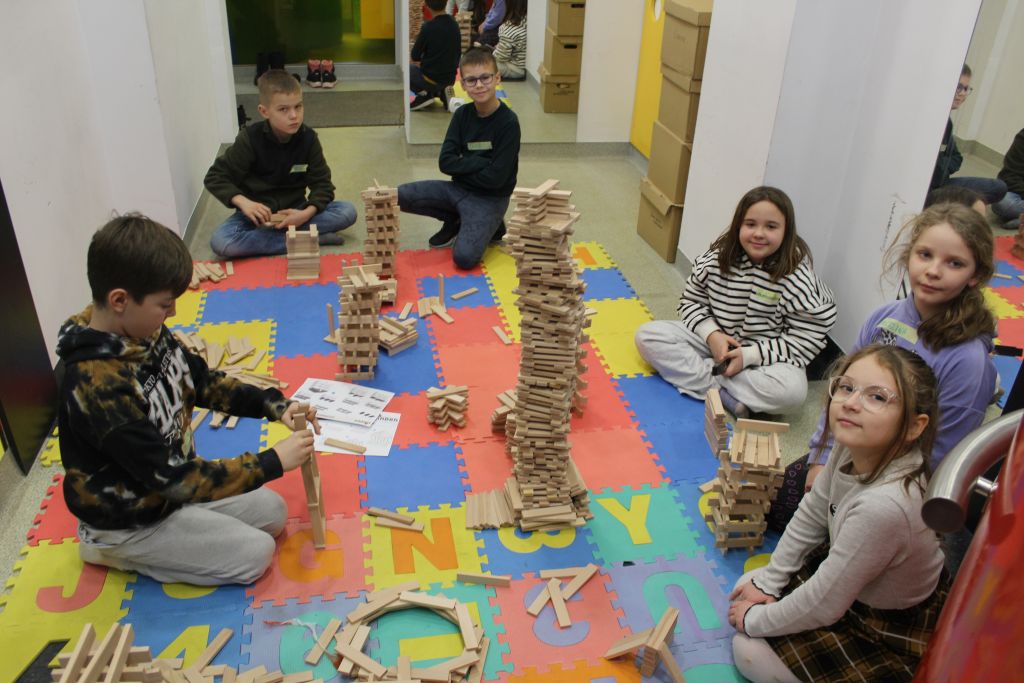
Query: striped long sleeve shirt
[[512, 44], [776, 322]]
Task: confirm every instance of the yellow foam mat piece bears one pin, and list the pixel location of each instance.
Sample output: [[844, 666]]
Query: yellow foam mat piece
[[437, 555], [500, 269], [1001, 308], [421, 648], [611, 331], [591, 255], [260, 333], [189, 305], [51, 597]]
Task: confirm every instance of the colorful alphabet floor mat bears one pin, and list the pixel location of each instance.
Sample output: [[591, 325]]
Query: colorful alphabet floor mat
[[640, 447]]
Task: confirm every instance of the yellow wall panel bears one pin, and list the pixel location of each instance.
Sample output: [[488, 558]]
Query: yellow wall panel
[[377, 19], [648, 77]]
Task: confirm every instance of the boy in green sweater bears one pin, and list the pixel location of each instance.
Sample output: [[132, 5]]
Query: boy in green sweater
[[481, 154], [264, 176], [145, 502]]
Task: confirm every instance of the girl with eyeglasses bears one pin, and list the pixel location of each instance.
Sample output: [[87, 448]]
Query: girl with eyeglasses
[[752, 316], [947, 258], [856, 585]]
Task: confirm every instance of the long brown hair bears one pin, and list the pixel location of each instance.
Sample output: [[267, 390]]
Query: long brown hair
[[791, 252], [515, 11], [966, 316], [918, 392]]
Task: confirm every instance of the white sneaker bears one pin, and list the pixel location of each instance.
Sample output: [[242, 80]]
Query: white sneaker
[[454, 103]]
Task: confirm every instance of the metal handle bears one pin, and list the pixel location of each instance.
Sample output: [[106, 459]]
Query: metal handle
[[945, 501]]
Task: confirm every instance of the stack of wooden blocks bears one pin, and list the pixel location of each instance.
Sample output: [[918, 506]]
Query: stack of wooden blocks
[[115, 660], [415, 20], [350, 640], [382, 234], [465, 20], [749, 475], [447, 406], [209, 271], [654, 642], [715, 430], [314, 488], [397, 335], [499, 416], [550, 299], [237, 358], [359, 321], [303, 253]]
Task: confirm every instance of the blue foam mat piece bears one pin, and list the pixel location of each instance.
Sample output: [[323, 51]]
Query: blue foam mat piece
[[417, 475], [606, 283], [1007, 367], [407, 372], [655, 401], [298, 311], [511, 551], [214, 444]]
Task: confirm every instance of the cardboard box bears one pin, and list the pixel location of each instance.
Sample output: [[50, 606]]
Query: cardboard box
[[563, 55], [669, 164], [677, 109], [565, 17], [558, 94], [685, 40], [659, 221]]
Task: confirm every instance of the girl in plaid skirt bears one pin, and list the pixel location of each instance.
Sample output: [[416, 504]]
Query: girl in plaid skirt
[[856, 584]]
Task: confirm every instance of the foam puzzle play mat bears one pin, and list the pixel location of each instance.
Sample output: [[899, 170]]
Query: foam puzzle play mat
[[406, 575]]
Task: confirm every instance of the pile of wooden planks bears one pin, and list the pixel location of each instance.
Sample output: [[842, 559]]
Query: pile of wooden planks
[[447, 407], [358, 333], [382, 235], [303, 248]]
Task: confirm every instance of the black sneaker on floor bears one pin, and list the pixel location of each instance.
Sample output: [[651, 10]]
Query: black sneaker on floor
[[421, 102], [499, 233], [444, 237]]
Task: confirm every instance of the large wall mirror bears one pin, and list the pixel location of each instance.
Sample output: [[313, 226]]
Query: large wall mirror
[[985, 151], [428, 125]]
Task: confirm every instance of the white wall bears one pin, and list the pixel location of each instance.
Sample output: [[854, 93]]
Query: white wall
[[51, 155], [536, 25], [994, 112], [115, 134], [188, 95], [855, 132], [611, 56], [743, 71], [221, 70]]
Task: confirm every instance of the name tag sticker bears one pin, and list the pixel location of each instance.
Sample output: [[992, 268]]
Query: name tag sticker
[[480, 146], [900, 329], [767, 295], [299, 168]]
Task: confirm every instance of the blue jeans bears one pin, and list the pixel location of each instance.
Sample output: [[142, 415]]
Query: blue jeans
[[990, 189], [477, 216], [1009, 209], [237, 237]]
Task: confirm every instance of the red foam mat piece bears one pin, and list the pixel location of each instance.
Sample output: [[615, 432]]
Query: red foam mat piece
[[613, 458], [487, 463], [471, 326], [339, 476]]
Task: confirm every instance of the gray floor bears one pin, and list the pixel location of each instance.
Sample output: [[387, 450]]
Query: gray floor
[[605, 192]]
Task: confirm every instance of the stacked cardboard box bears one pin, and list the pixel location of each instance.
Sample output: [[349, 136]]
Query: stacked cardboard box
[[684, 46], [563, 54]]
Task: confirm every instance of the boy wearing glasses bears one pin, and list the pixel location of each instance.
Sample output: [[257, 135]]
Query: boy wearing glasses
[[481, 154], [950, 159]]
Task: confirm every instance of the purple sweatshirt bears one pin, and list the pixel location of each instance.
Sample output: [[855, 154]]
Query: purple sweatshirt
[[495, 15], [966, 374]]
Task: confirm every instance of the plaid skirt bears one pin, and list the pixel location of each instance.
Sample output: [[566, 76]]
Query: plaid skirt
[[866, 644]]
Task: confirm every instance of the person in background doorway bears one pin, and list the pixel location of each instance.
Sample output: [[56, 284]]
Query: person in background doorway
[[1010, 209], [511, 49]]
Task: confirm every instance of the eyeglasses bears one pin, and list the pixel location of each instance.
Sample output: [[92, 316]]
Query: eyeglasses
[[963, 89], [874, 399], [482, 79]]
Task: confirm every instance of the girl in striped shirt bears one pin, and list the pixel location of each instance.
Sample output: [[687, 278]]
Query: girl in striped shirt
[[511, 50], [753, 314]]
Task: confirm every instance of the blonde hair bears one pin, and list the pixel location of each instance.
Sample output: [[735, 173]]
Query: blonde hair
[[276, 82], [918, 391], [967, 315]]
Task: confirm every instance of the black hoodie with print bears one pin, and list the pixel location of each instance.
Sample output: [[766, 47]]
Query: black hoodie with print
[[124, 427]]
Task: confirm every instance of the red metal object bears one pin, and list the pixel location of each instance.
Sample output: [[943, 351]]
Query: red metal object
[[980, 632]]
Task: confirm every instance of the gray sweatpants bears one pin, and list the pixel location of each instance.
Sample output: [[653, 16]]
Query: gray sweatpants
[[206, 544], [684, 360]]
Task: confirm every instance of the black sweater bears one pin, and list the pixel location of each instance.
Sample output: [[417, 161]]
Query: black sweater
[[438, 48], [1013, 166], [481, 153], [266, 170]]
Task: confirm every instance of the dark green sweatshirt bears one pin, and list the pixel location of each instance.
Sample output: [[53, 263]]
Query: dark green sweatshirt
[[274, 173], [124, 427], [481, 153]]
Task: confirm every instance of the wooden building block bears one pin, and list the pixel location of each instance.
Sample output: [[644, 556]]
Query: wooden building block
[[464, 293], [561, 613], [78, 657], [501, 580], [351, 447], [322, 643], [628, 644], [501, 335]]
